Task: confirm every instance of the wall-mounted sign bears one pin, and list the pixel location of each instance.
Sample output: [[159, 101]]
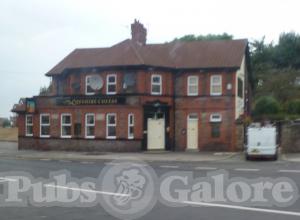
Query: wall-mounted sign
[[30, 106], [73, 101]]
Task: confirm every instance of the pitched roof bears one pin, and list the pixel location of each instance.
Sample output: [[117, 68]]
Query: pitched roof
[[177, 54]]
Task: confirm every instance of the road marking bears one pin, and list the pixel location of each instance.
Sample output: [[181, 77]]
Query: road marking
[[289, 171], [245, 169], [273, 211], [86, 190], [45, 159], [205, 168], [3, 179], [87, 162], [169, 166], [112, 163]]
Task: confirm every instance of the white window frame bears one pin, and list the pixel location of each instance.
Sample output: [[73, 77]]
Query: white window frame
[[28, 124], [215, 84], [86, 85], [215, 117], [109, 125], [130, 136], [41, 125], [62, 125], [110, 83], [189, 84], [155, 83], [89, 125]]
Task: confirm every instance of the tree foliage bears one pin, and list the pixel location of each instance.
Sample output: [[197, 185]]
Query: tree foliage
[[6, 123], [191, 37], [266, 105]]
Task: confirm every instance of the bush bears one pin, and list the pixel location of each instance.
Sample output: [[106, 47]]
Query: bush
[[293, 107], [6, 123], [266, 105]]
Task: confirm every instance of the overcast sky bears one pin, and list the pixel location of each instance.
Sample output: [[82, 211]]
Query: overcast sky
[[35, 35]]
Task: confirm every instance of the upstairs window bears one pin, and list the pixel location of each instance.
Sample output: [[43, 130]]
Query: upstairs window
[[90, 125], [216, 85], [130, 126], [192, 86], [29, 125], [111, 84], [156, 85], [45, 125], [88, 88], [66, 126], [111, 124]]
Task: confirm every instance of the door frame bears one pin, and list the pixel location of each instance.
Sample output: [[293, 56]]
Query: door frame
[[187, 130], [151, 108]]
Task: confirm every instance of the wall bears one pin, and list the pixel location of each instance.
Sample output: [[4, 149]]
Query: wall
[[290, 137], [204, 105], [79, 144]]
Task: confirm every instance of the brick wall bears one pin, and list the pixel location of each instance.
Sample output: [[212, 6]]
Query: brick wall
[[79, 144], [290, 137]]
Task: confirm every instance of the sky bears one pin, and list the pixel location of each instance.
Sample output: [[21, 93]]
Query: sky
[[35, 35]]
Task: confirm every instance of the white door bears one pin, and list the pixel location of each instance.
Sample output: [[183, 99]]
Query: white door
[[192, 132], [156, 134]]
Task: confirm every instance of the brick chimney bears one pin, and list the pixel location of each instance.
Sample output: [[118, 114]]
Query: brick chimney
[[138, 33]]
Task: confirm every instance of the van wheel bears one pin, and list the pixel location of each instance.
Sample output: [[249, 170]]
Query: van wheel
[[247, 157], [275, 157]]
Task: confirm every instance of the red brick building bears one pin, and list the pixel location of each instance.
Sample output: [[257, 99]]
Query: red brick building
[[135, 96]]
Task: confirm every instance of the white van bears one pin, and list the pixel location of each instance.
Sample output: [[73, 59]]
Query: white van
[[261, 141]]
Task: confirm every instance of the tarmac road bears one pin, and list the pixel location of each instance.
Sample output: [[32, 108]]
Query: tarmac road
[[82, 169]]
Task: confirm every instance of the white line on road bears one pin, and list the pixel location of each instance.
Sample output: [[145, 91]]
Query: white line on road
[[86, 190], [112, 163], [273, 211], [3, 179], [45, 159], [87, 162], [205, 168], [169, 166], [289, 171], [247, 170]]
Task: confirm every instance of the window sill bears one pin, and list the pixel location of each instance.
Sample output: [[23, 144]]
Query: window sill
[[66, 137], [111, 137], [44, 136]]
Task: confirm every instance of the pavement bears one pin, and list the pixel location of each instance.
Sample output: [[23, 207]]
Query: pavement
[[10, 150]]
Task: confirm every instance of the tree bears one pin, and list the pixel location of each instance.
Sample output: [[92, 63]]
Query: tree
[[44, 90], [293, 107], [266, 105], [6, 123], [208, 37]]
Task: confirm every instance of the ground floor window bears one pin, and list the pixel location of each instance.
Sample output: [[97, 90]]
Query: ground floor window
[[111, 124], [66, 125], [45, 125], [90, 125], [130, 126], [215, 120], [215, 130], [29, 125]]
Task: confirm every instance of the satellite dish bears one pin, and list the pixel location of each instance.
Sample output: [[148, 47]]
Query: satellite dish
[[96, 82]]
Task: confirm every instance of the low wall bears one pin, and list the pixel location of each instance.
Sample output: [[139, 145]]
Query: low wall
[[290, 137], [80, 144]]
